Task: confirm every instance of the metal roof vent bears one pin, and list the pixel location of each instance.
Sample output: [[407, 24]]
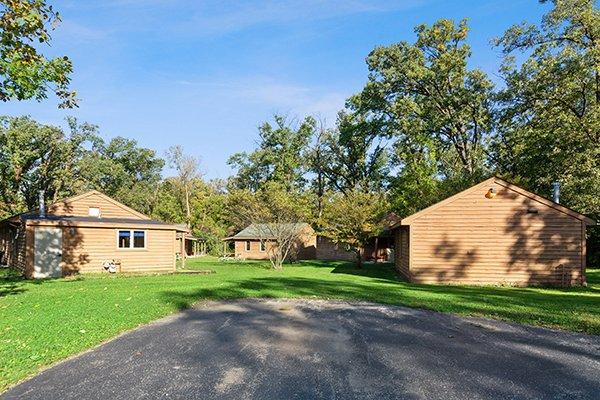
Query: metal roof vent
[[556, 192], [42, 204]]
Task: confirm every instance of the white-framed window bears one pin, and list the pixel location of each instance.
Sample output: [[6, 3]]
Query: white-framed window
[[263, 246], [131, 239], [94, 212], [247, 245], [139, 239]]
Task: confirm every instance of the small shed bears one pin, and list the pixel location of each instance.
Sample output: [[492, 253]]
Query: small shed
[[81, 233], [493, 233]]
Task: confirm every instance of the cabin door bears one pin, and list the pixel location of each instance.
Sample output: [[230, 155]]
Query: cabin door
[[48, 253]]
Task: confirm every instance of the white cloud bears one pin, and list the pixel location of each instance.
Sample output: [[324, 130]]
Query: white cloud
[[217, 17], [279, 96], [227, 17], [77, 32]]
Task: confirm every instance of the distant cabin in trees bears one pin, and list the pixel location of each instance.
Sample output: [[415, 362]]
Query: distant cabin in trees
[[81, 233], [493, 233], [255, 241], [379, 249]]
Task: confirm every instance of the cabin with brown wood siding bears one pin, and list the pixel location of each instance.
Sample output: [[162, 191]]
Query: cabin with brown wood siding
[[493, 233], [81, 234], [256, 241]]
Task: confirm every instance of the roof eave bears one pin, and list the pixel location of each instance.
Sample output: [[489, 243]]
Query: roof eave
[[100, 224]]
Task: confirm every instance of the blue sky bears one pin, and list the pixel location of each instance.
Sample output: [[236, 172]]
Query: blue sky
[[205, 74]]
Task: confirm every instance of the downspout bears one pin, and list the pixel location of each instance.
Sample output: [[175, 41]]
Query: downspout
[[42, 207], [583, 253]]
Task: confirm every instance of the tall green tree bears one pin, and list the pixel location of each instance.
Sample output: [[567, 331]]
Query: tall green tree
[[435, 111], [549, 114], [123, 170], [188, 177], [280, 156], [25, 73], [36, 157], [351, 157], [425, 93]]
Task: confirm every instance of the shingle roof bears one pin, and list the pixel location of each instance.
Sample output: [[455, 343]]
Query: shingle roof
[[263, 231], [70, 218]]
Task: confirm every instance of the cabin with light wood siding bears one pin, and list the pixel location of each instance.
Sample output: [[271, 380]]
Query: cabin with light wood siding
[[80, 234], [493, 233]]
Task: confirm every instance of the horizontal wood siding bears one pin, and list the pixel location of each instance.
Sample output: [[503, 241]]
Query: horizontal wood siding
[[85, 249], [305, 248], [402, 253], [510, 239], [329, 251], [254, 253], [80, 207]]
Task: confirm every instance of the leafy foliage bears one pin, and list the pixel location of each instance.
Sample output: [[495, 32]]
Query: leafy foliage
[[122, 170], [187, 177], [352, 156], [354, 218], [25, 73], [424, 127], [549, 114], [424, 95], [36, 157], [278, 158]]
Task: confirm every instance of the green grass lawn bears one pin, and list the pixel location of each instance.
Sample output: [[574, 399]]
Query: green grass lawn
[[42, 322]]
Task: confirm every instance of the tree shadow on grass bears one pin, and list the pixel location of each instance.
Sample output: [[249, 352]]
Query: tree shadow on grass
[[575, 309], [593, 279], [372, 270], [13, 283]]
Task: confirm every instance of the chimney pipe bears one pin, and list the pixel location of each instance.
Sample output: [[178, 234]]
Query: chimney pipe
[[42, 204], [556, 192]]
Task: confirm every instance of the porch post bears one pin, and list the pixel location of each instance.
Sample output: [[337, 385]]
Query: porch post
[[183, 251], [376, 245]]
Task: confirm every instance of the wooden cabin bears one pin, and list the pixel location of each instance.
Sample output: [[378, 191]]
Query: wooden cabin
[[493, 233], [81, 233], [254, 241]]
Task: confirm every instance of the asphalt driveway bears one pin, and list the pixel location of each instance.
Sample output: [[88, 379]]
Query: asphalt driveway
[[271, 349]]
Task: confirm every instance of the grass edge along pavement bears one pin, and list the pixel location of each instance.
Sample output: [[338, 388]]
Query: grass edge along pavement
[[43, 322]]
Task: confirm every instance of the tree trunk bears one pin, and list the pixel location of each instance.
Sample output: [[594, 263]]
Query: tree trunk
[[187, 206], [279, 262], [359, 254]]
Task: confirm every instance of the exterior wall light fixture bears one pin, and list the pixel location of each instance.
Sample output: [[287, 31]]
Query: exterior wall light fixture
[[491, 193]]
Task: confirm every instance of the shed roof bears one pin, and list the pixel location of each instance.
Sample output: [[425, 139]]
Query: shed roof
[[66, 220], [499, 181], [264, 231]]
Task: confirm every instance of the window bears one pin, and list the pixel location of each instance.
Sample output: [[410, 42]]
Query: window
[[247, 245], [263, 246], [131, 239], [124, 239], [94, 212], [139, 239]]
